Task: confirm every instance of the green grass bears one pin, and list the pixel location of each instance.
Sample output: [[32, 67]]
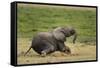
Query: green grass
[[33, 19]]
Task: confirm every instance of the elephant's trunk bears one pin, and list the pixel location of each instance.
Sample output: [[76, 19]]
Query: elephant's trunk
[[75, 37]]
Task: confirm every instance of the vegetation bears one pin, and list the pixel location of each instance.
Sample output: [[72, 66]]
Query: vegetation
[[33, 19]]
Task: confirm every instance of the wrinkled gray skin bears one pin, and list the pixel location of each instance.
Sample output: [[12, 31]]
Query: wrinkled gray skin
[[47, 42]]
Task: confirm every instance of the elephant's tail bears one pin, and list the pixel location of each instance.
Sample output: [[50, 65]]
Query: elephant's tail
[[28, 50]]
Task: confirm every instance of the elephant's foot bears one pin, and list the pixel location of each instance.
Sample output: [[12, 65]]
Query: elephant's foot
[[68, 51], [43, 53]]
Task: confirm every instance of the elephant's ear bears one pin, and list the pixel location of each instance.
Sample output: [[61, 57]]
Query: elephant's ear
[[59, 35]]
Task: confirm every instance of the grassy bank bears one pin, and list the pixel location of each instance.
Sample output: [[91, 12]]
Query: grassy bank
[[33, 19]]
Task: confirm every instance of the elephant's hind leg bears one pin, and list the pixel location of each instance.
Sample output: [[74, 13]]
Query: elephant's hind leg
[[47, 50]]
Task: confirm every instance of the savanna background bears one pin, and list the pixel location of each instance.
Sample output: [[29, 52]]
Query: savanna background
[[37, 18]]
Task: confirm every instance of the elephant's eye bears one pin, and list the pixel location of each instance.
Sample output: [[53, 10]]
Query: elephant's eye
[[72, 32]]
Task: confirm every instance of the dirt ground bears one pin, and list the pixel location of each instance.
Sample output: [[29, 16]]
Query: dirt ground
[[80, 52]]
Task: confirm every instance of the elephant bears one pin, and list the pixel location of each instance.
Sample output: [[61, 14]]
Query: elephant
[[45, 43]]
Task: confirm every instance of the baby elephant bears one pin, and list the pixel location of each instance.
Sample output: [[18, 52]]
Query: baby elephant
[[48, 42]]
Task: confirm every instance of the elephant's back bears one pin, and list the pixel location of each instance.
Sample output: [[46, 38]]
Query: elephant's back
[[48, 37], [44, 34]]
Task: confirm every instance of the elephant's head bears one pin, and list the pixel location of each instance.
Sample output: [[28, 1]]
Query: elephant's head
[[61, 33]]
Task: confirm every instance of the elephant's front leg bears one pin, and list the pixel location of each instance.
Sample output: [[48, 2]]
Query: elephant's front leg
[[63, 48], [67, 50]]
